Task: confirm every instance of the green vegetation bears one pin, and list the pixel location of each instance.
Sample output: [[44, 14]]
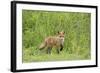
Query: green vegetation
[[38, 25]]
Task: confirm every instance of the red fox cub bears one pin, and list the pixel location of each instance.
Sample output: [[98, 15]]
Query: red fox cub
[[53, 42]]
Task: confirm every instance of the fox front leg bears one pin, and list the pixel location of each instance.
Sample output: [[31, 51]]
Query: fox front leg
[[61, 47], [58, 50]]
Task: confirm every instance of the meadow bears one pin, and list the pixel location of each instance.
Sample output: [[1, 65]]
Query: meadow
[[37, 25]]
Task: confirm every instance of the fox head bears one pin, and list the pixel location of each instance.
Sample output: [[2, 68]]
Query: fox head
[[61, 34]]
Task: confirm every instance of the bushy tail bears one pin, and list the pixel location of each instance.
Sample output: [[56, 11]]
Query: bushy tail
[[42, 46]]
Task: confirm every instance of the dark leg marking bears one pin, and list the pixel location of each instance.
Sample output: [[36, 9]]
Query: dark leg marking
[[61, 47]]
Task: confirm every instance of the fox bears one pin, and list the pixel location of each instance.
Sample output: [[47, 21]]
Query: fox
[[56, 42]]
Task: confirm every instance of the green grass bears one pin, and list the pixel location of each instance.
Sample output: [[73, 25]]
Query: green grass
[[33, 56], [37, 25]]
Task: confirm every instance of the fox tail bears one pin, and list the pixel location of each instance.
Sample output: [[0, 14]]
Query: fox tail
[[42, 46]]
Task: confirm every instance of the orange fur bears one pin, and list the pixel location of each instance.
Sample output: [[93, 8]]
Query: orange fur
[[53, 41]]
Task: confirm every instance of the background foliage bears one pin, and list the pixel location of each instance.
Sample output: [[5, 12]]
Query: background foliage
[[38, 25]]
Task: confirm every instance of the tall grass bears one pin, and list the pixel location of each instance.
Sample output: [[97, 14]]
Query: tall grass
[[38, 25]]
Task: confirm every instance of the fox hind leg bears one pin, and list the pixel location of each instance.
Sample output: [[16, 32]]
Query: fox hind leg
[[49, 50]]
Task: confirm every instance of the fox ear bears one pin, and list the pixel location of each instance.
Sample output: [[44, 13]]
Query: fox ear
[[63, 32], [58, 32]]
